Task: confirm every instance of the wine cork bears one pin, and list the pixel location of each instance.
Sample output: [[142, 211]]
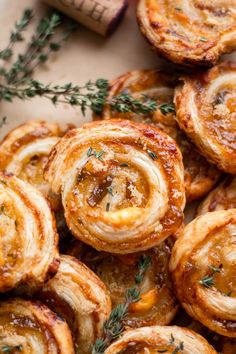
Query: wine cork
[[101, 16]]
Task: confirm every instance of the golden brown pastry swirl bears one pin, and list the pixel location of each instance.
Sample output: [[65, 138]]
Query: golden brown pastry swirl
[[28, 237], [29, 327], [121, 184], [189, 32], [160, 339], [206, 111], [158, 85], [80, 297], [158, 304], [203, 265], [24, 152]]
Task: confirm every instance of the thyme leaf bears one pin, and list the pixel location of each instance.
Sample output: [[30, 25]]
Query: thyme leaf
[[152, 154], [208, 280]]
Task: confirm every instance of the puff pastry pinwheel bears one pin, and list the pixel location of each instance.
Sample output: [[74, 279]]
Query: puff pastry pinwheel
[[160, 339], [28, 237], [149, 270], [158, 85], [193, 32], [203, 265], [121, 184], [29, 327], [206, 111], [221, 198], [80, 297], [24, 152]]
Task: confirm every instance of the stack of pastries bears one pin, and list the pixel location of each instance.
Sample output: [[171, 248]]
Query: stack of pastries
[[80, 208]]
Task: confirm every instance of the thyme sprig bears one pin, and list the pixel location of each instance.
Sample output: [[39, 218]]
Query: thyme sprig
[[124, 103], [114, 326], [38, 49], [16, 34], [143, 265], [92, 94]]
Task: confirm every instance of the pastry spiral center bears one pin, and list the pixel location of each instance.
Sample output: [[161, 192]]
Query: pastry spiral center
[[120, 185]]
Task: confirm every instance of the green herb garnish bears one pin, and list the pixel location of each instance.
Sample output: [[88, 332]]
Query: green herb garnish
[[110, 191], [97, 154], [143, 265], [114, 327], [124, 103], [10, 348], [166, 108], [152, 154], [208, 280], [179, 348]]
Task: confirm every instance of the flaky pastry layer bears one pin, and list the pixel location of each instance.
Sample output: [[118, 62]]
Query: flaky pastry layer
[[80, 297]]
